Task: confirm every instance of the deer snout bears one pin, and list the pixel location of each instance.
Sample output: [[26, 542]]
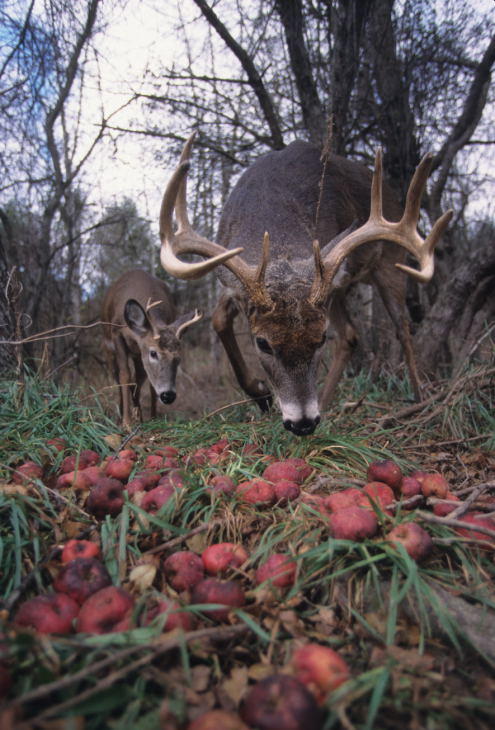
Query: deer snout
[[302, 427], [168, 396]]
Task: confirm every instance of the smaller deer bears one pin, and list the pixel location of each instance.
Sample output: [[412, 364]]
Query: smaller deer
[[140, 325]]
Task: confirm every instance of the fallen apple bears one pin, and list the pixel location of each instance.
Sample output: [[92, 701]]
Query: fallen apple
[[286, 491], [78, 480], [280, 702], [377, 494], [353, 523], [320, 669], [221, 484], [106, 611], [157, 497], [435, 485], [257, 492], [27, 472], [472, 520], [279, 570], [413, 537], [441, 509], [119, 468], [81, 578], [290, 469], [410, 487], [227, 593], [217, 720], [79, 549], [52, 613], [386, 471], [175, 617], [183, 570], [218, 558], [105, 498], [345, 498]]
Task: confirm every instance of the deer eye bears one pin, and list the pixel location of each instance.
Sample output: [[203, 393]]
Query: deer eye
[[153, 355], [264, 346]]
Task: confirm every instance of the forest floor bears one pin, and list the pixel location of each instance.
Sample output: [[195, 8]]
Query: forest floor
[[417, 636]]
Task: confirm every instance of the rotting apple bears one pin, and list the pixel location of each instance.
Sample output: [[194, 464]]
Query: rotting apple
[[379, 494], [183, 570], [157, 497], [218, 558], [257, 492], [79, 549], [81, 578], [119, 468], [27, 472], [434, 485], [353, 523], [128, 454], [173, 478], [290, 469], [286, 491], [281, 702], [52, 613], [473, 520], [386, 471], [442, 509], [413, 537], [221, 484], [410, 487], [278, 570], [175, 617], [348, 497], [106, 611], [78, 480], [105, 498], [168, 451], [227, 593], [320, 669], [86, 457], [217, 720]]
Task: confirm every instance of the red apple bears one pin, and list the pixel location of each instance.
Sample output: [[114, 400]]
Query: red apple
[[73, 479], [199, 457], [157, 497], [57, 443], [87, 457], [279, 570], [441, 509], [118, 468], [280, 702], [176, 619], [221, 484], [128, 454], [320, 669], [81, 578], [286, 491], [377, 494], [227, 593], [218, 558], [353, 523], [48, 614], [473, 520], [79, 549], [25, 473], [220, 446], [136, 484], [419, 475], [345, 498], [217, 720], [290, 469], [174, 478], [153, 462], [105, 498], [149, 478], [413, 537], [183, 570], [386, 471], [168, 451], [106, 611], [257, 492], [435, 485], [410, 487], [92, 474]]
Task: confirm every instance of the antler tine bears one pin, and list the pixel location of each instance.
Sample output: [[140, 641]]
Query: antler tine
[[195, 318], [404, 232], [181, 198]]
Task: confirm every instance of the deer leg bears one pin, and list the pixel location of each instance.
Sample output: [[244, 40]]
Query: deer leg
[[345, 341], [396, 307], [123, 377], [152, 401], [140, 377], [223, 321]]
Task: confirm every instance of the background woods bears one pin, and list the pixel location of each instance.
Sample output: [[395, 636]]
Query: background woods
[[75, 116]]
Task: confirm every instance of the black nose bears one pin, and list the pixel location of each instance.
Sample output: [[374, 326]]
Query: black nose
[[168, 396], [303, 427]]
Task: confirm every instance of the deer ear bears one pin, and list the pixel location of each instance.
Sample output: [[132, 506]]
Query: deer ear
[[136, 318]]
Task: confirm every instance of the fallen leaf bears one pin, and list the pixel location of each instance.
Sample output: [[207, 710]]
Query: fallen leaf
[[142, 577]]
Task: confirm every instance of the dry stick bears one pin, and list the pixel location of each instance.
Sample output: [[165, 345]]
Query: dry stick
[[182, 538], [462, 508], [153, 651], [455, 523], [51, 334]]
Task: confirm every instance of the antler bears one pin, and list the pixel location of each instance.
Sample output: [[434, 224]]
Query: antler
[[403, 232], [187, 240]]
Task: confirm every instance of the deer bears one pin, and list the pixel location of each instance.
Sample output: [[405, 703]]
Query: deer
[[301, 221], [141, 328]]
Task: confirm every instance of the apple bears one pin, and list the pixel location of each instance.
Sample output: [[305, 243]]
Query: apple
[[386, 471], [256, 491], [92, 473], [183, 570], [353, 523], [149, 478], [153, 462], [174, 478], [218, 558], [294, 470], [176, 619], [419, 474], [279, 570], [320, 669], [57, 443], [217, 720], [477, 519], [106, 611], [227, 593], [413, 537], [48, 614], [434, 485], [221, 484], [199, 457], [105, 498], [280, 702], [379, 494], [128, 454], [344, 498], [25, 473], [119, 468], [81, 578], [441, 509], [87, 457], [168, 451], [136, 484], [79, 549], [74, 479], [286, 491], [156, 498], [410, 487], [220, 446]]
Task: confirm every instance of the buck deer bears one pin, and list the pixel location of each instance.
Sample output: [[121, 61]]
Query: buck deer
[[140, 325], [286, 203]]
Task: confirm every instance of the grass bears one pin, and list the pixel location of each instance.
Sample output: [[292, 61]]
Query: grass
[[414, 660]]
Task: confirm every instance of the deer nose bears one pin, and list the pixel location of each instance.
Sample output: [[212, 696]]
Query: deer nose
[[303, 427], [168, 396]]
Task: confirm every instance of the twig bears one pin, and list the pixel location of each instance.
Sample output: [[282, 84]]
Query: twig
[[182, 538], [51, 334], [449, 522]]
